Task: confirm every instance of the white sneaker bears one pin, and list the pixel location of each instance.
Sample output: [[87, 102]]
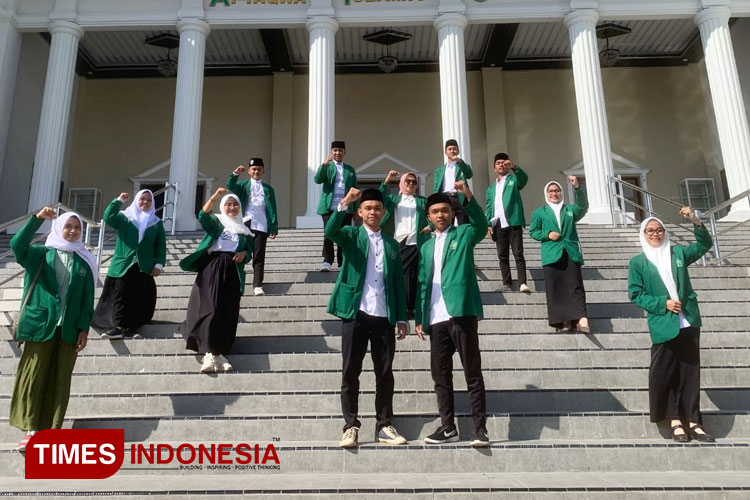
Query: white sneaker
[[325, 267], [224, 363], [524, 288], [209, 363], [259, 291], [350, 438]]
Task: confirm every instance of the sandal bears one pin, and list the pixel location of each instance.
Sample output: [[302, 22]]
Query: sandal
[[703, 437], [680, 438]]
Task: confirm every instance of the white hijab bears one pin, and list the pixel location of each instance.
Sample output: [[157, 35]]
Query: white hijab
[[55, 240], [660, 257], [140, 219], [232, 224], [556, 207]]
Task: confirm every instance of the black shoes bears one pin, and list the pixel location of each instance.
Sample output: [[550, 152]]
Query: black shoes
[[479, 438], [680, 438], [444, 434], [703, 437]]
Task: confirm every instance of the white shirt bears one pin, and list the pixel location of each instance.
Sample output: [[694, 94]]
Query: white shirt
[[373, 291], [449, 180], [438, 309], [227, 242], [339, 188], [256, 207], [405, 217], [499, 208]]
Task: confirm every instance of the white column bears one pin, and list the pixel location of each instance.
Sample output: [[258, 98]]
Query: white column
[[321, 106], [729, 107], [10, 50], [186, 133], [53, 123], [592, 115], [453, 102]]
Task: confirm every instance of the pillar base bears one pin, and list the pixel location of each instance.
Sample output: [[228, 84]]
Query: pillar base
[[309, 222], [597, 217], [184, 223]]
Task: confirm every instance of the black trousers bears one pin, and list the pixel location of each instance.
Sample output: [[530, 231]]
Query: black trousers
[[410, 261], [674, 378], [355, 335], [328, 244], [510, 237], [458, 209], [259, 255], [447, 337]]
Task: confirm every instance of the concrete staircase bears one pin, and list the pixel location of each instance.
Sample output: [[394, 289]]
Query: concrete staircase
[[569, 413]]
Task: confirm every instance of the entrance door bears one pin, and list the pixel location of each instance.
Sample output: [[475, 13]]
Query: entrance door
[[634, 197], [200, 193]]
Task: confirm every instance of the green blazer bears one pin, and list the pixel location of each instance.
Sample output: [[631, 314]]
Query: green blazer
[[326, 175], [543, 222], [646, 288], [463, 173], [197, 260], [150, 251], [459, 279], [512, 202], [347, 293], [391, 202], [242, 190], [42, 311]]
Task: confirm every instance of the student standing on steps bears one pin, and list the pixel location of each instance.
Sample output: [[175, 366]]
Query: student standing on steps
[[448, 307], [337, 179], [504, 212], [258, 201], [214, 306], [370, 300], [658, 281], [128, 299], [554, 224], [406, 220], [446, 176], [58, 302]]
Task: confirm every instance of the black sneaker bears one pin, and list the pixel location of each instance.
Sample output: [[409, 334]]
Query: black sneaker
[[112, 334], [479, 438], [130, 333], [444, 434]]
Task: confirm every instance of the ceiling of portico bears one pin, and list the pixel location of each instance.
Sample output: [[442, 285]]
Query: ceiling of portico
[[511, 46]]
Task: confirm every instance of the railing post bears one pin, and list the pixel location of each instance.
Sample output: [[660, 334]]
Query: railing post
[[649, 206], [715, 236], [100, 246], [175, 190], [612, 202], [87, 239]]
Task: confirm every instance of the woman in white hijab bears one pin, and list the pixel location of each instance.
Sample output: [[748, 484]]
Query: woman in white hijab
[[554, 224], [214, 306], [128, 299], [57, 305], [658, 282]]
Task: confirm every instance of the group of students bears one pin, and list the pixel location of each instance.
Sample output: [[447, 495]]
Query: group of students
[[419, 265]]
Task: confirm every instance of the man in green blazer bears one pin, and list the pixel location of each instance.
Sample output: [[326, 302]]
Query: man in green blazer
[[258, 201], [370, 300], [504, 215], [448, 308], [446, 176], [337, 179]]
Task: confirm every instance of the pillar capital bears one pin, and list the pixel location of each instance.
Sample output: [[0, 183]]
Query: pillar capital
[[581, 15], [715, 13], [193, 24], [450, 20], [323, 23], [69, 27]]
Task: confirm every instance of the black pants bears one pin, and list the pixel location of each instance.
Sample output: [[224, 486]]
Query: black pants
[[259, 255], [354, 337], [510, 237], [458, 209], [410, 261], [447, 337], [328, 244], [674, 378]]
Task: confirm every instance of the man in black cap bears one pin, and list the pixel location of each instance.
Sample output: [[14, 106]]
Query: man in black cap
[[370, 299], [337, 179], [446, 176], [449, 306], [258, 201]]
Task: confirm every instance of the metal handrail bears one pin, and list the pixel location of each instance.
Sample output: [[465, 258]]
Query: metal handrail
[[727, 203]]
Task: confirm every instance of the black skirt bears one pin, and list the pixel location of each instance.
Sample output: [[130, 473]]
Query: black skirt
[[214, 306], [126, 302], [566, 297]]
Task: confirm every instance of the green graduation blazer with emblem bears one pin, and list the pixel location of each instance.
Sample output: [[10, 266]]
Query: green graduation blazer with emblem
[[42, 312], [242, 190], [646, 288], [391, 201], [512, 202], [150, 251], [347, 293], [459, 279], [213, 227], [463, 173], [326, 175], [543, 222]]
